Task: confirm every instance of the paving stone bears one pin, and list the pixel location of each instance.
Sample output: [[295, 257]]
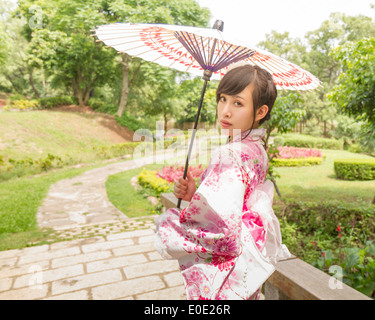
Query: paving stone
[[48, 255], [127, 288], [24, 269], [107, 245], [147, 247], [77, 295], [86, 281], [176, 293], [5, 284], [81, 258], [118, 262], [43, 276], [173, 279], [150, 268], [28, 293]]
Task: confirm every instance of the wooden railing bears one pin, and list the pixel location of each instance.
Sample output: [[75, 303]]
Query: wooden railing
[[295, 279]]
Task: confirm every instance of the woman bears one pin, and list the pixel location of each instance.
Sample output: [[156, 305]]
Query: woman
[[227, 240]]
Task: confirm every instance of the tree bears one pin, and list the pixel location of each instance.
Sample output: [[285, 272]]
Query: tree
[[62, 44], [180, 12], [355, 91]]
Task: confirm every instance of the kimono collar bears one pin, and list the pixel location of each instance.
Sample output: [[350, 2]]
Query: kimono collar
[[254, 135]]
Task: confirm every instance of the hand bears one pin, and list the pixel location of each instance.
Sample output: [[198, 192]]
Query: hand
[[185, 189]]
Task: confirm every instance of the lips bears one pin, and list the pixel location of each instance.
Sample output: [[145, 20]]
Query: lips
[[225, 124]]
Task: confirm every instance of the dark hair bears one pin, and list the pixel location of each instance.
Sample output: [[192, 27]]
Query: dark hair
[[237, 79]]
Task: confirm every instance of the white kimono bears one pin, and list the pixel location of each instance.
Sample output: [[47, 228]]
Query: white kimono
[[227, 240]]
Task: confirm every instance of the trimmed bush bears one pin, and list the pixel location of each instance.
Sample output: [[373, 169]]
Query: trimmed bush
[[148, 179], [357, 169], [297, 162], [303, 141]]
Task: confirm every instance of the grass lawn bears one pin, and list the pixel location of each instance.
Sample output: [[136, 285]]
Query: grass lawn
[[123, 195], [68, 135], [318, 183]]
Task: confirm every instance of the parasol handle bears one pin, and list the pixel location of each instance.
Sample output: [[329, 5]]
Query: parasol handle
[[193, 136], [219, 25]]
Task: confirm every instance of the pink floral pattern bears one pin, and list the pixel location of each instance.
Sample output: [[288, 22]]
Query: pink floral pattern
[[227, 240]]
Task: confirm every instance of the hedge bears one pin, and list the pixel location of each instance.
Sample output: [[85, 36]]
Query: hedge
[[304, 141], [356, 169], [324, 217], [297, 162]]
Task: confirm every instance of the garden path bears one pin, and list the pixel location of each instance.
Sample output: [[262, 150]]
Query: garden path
[[104, 261]]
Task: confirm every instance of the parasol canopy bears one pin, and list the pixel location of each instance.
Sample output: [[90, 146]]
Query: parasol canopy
[[194, 50], [200, 51]]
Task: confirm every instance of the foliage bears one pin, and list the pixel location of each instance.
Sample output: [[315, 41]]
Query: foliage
[[355, 91], [355, 169], [10, 168], [297, 162], [149, 179], [128, 121], [285, 113], [190, 93], [294, 157], [305, 141], [22, 105], [41, 103], [116, 150], [355, 266], [323, 216]]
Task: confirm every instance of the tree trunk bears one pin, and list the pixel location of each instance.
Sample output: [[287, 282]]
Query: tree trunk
[[31, 80], [86, 96], [78, 92], [165, 123], [125, 84]]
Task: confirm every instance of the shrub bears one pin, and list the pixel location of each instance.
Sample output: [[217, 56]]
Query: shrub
[[116, 150], [358, 169], [50, 102], [10, 168], [148, 179], [23, 104], [130, 122], [304, 141], [323, 217], [300, 162]]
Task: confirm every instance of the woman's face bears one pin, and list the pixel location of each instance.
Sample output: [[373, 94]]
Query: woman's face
[[236, 112]]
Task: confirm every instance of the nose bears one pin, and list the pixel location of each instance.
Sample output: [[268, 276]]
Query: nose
[[226, 112]]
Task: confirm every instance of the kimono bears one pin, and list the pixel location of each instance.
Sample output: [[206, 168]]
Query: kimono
[[227, 240]]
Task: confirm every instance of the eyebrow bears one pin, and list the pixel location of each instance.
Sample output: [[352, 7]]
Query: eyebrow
[[237, 96]]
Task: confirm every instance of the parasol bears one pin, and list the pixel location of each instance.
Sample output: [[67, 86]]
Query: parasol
[[200, 51]]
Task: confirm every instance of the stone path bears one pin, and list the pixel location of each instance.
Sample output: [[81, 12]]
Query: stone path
[[120, 266], [83, 199], [106, 261]]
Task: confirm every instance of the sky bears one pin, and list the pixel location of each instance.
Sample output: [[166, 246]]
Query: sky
[[251, 20]]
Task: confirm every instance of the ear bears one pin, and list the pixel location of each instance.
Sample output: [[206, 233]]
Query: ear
[[261, 112]]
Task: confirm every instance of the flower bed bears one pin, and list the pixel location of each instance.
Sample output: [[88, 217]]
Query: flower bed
[[297, 157], [172, 173], [162, 181]]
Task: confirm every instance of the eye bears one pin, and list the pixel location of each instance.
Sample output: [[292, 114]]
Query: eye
[[222, 99], [238, 104]]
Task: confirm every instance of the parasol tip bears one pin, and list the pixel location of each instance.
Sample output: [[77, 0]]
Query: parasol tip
[[219, 25]]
